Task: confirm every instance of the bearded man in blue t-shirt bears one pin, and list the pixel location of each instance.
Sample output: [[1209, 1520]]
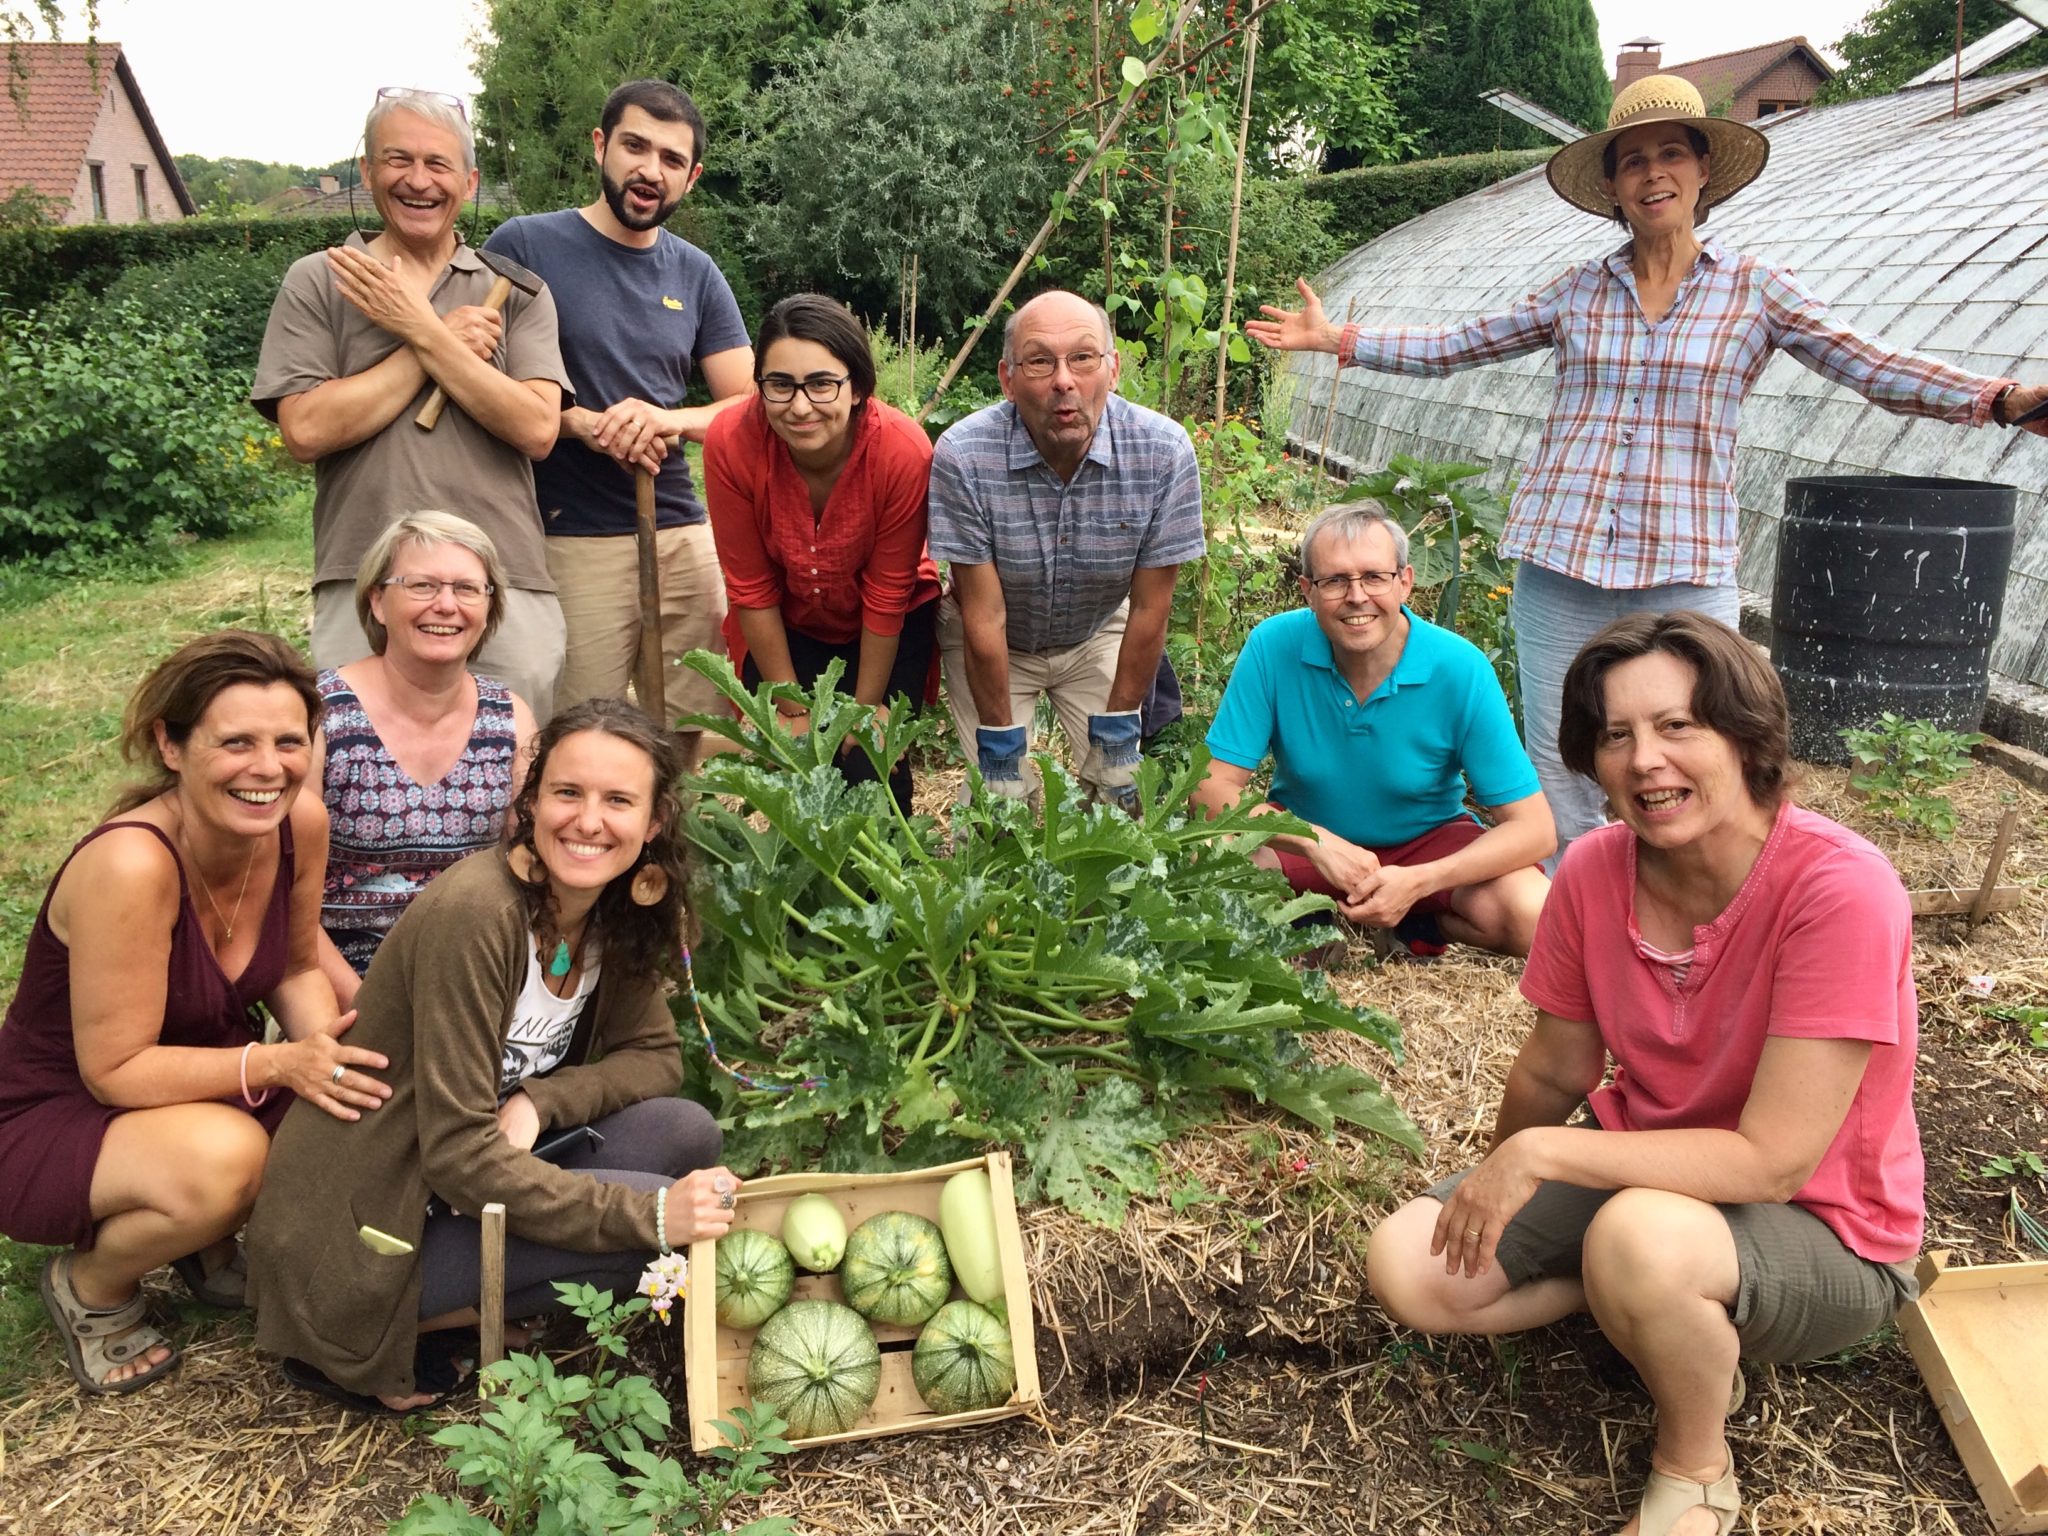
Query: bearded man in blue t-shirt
[[1377, 721], [640, 307]]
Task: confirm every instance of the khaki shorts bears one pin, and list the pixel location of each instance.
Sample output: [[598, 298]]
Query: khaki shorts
[[598, 581], [1801, 1295], [1076, 678]]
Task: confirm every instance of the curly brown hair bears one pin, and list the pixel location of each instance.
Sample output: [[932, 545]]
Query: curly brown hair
[[184, 685], [1734, 691], [638, 941]]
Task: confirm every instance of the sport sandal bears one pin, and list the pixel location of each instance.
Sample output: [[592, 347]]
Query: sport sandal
[[1666, 1498], [98, 1342]]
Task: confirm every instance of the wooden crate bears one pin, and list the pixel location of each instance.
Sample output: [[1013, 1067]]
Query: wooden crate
[[715, 1357], [1980, 1338]]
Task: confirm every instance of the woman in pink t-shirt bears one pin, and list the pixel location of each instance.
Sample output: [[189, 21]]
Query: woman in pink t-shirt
[[1753, 1185]]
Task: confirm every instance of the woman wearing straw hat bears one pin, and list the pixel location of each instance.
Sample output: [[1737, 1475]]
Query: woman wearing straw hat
[[1629, 504]]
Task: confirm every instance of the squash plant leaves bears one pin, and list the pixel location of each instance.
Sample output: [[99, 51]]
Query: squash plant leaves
[[1076, 983]]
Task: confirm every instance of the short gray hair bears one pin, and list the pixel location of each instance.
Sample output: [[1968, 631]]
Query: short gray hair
[[1351, 520], [435, 109], [1010, 325], [428, 528]]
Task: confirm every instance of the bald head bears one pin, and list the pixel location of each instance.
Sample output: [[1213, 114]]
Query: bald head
[[1055, 305]]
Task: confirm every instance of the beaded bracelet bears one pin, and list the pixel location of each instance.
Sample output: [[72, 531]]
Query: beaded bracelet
[[661, 1220], [243, 1072]]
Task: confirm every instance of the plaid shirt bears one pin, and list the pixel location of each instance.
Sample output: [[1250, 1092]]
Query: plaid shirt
[[1065, 550], [1633, 484]]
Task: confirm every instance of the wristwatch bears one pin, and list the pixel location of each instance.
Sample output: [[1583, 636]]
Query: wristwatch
[[1998, 405]]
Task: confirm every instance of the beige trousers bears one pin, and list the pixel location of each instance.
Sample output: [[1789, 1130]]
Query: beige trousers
[[598, 581], [1076, 678], [525, 654]]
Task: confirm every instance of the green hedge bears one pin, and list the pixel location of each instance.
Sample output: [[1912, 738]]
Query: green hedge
[[1372, 199], [38, 265]]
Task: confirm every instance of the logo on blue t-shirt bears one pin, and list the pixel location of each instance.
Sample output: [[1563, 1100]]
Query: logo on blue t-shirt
[[669, 303]]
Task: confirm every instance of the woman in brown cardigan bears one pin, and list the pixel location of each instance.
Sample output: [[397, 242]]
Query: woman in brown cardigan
[[519, 998]]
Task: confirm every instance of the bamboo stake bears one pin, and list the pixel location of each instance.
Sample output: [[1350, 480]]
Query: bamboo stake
[[1102, 175], [1045, 230], [1956, 100], [911, 391], [1166, 267], [1244, 128], [1244, 119], [1330, 411]]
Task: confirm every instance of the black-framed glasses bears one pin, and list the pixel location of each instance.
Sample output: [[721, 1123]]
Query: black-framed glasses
[[1337, 588], [818, 388], [1042, 366], [403, 93], [425, 589]]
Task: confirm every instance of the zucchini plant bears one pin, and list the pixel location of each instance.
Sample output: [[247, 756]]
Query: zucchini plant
[[1081, 984]]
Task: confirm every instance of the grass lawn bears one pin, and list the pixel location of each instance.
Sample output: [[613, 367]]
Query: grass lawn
[[70, 654]]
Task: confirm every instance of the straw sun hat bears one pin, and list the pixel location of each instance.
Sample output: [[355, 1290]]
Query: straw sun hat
[[1738, 150]]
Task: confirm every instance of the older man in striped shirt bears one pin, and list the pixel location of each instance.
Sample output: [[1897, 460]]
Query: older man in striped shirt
[[1065, 512]]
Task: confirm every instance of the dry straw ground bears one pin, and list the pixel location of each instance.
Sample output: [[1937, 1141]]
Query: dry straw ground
[[1216, 1366]]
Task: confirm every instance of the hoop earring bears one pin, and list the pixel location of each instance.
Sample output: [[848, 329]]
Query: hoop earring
[[649, 886]]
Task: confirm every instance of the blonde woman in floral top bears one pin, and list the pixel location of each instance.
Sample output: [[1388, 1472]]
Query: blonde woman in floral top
[[1629, 505], [419, 759]]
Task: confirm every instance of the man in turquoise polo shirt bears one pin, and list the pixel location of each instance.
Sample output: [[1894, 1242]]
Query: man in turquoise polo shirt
[[1377, 721]]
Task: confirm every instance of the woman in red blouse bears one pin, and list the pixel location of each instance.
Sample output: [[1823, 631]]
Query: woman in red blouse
[[816, 492]]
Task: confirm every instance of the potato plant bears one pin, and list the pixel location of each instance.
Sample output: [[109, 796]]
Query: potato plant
[[1079, 984]]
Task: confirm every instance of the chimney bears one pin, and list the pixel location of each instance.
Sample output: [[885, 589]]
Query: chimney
[[330, 184], [1638, 57]]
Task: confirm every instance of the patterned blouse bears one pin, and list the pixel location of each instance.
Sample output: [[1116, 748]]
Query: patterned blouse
[[388, 836], [1633, 483]]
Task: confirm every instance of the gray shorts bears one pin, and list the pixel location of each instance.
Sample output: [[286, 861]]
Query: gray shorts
[[1801, 1295]]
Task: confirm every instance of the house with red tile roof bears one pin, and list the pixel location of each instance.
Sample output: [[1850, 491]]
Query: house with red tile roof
[[78, 133], [1745, 84]]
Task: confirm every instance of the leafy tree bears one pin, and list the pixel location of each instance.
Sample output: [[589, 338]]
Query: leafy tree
[[1899, 38], [904, 136], [548, 65], [1545, 50], [1328, 73], [233, 184]]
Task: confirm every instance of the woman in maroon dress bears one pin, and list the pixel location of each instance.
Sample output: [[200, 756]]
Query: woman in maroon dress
[[137, 1092]]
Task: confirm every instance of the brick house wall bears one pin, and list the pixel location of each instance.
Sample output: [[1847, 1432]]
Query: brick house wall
[[119, 147]]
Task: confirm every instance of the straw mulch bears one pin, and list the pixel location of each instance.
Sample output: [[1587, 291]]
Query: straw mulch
[[1217, 1365]]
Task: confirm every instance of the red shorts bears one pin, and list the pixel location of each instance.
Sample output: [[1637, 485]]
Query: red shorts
[[1437, 843]]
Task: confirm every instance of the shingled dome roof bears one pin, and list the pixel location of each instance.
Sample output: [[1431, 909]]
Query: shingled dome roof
[[1928, 230]]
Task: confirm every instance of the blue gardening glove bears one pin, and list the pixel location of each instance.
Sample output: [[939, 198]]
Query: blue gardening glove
[[999, 753], [1113, 742]]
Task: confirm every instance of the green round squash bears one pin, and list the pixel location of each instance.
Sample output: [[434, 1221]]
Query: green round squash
[[964, 1360], [816, 1363], [755, 1277], [895, 1269]]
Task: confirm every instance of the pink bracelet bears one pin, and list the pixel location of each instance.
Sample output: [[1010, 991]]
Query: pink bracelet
[[261, 1098]]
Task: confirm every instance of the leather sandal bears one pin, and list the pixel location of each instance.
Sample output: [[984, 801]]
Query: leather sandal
[[225, 1286], [1666, 1498], [99, 1341]]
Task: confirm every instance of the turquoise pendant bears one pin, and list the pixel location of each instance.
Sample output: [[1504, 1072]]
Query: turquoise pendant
[[559, 966]]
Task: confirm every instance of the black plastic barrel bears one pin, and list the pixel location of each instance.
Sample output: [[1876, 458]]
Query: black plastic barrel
[[1888, 594]]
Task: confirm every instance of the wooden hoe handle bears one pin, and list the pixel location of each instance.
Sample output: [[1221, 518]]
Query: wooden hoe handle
[[437, 402]]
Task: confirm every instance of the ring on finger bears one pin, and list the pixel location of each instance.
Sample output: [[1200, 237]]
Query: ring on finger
[[1475, 1231], [725, 1201], [339, 1070]]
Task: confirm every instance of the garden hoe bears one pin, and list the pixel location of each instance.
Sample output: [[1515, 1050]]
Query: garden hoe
[[510, 275]]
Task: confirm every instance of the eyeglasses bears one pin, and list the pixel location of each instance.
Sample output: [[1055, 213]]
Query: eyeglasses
[[1041, 366], [402, 93], [425, 589], [818, 388], [1337, 588]]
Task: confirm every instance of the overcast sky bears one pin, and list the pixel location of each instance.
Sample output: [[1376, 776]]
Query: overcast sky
[[289, 82]]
